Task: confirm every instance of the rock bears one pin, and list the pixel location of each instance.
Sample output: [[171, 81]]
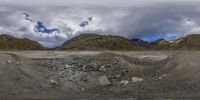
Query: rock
[[103, 81], [84, 67], [26, 90], [118, 76], [18, 63], [67, 66], [53, 83], [162, 76], [125, 71], [9, 61], [102, 68], [82, 89], [124, 82], [84, 78], [115, 62], [136, 79]]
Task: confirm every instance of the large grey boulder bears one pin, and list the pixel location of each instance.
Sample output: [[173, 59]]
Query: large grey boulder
[[103, 80]]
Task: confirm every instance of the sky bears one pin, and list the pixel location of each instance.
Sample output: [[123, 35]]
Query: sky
[[52, 22]]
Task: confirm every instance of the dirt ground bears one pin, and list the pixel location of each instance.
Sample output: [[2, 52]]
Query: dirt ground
[[100, 75]]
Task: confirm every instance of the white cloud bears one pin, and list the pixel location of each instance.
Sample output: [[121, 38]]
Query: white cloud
[[134, 21], [67, 21]]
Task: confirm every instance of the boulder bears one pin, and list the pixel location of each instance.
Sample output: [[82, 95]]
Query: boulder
[[124, 82], [67, 66], [9, 61], [104, 81], [136, 79]]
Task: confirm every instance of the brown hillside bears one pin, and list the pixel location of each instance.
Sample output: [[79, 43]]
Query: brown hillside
[[8, 42], [99, 42]]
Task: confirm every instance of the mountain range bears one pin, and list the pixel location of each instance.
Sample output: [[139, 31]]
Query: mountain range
[[104, 42], [108, 42]]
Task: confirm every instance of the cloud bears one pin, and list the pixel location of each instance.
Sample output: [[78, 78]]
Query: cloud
[[149, 22], [162, 21]]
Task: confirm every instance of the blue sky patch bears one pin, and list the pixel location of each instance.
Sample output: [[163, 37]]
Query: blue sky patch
[[156, 36], [40, 27]]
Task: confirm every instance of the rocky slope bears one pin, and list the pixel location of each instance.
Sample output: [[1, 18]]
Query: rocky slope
[[99, 42], [8, 42], [190, 42]]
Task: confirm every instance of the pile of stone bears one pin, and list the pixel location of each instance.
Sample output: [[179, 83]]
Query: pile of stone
[[108, 70]]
